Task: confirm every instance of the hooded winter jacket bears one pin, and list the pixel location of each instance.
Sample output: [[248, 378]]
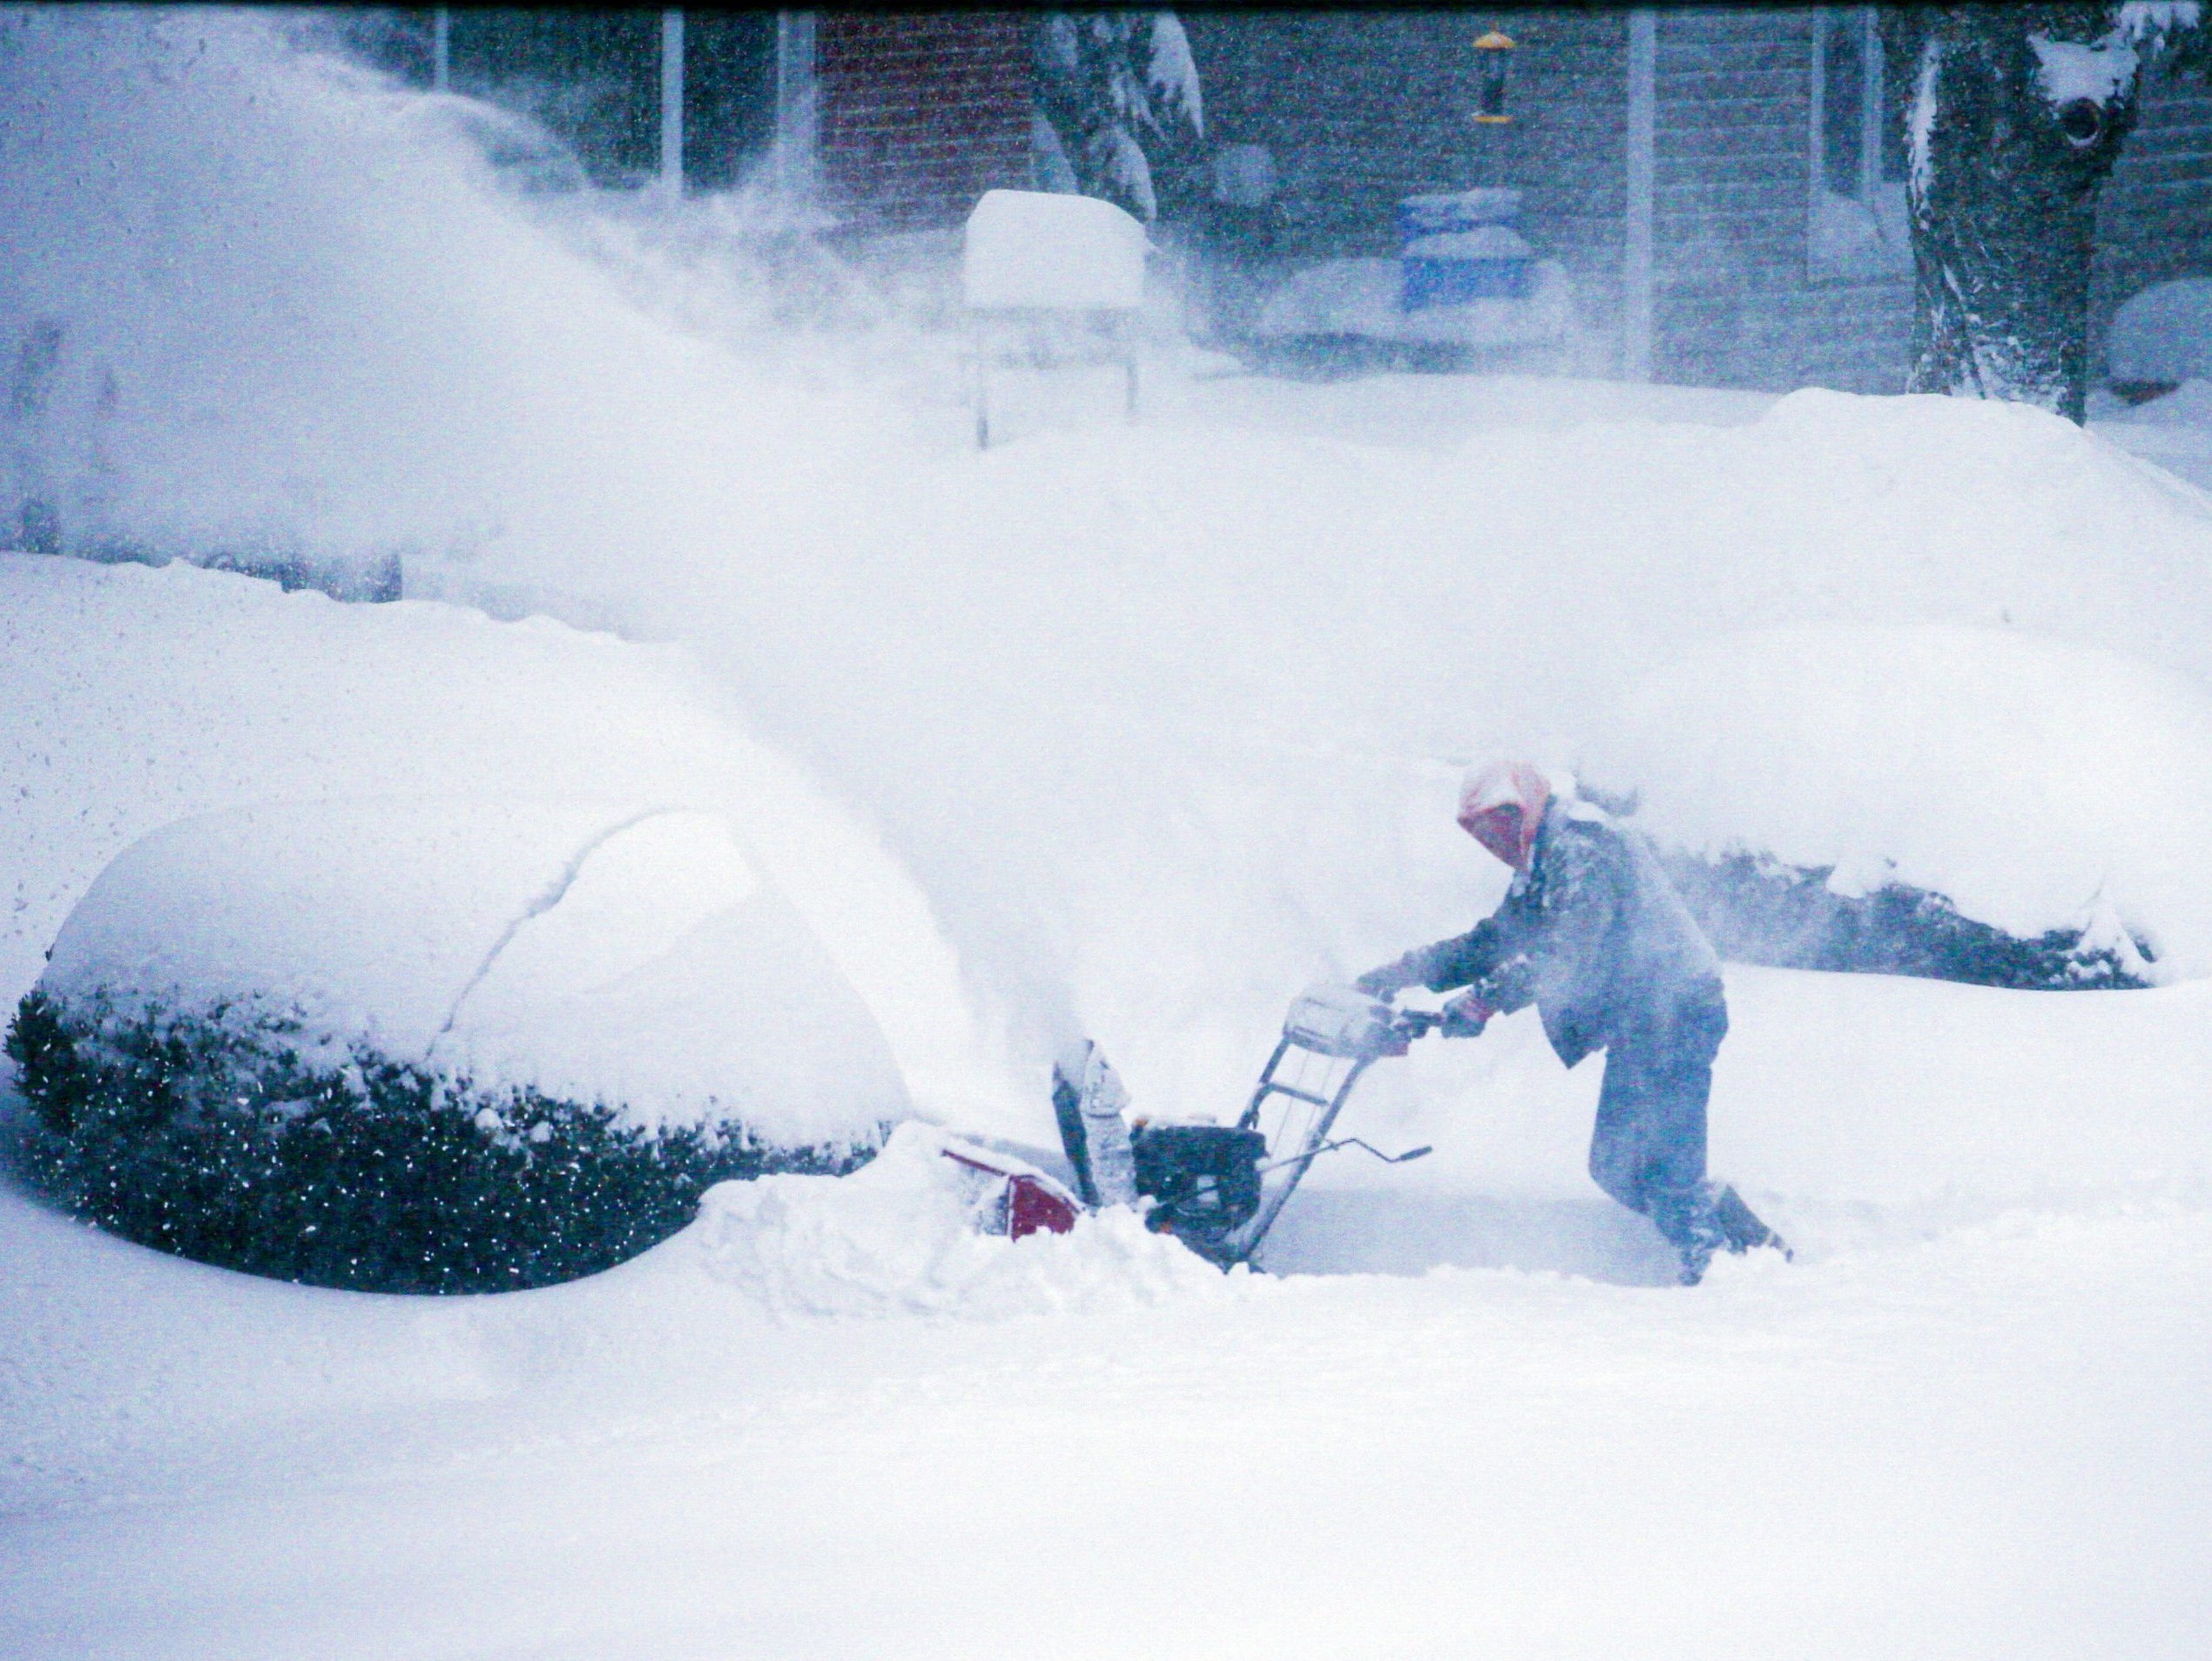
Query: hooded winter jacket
[[1591, 932]]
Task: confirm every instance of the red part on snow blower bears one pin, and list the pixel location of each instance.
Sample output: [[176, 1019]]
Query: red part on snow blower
[[1032, 1208], [1031, 1203]]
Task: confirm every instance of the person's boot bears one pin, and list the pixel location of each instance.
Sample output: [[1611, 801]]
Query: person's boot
[[1740, 1227], [1696, 1255], [1692, 1228]]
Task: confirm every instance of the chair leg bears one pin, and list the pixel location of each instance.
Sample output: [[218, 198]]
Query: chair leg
[[1132, 361]]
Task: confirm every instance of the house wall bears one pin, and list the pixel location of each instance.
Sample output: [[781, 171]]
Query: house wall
[[1362, 109], [1739, 303], [2154, 218], [921, 113]]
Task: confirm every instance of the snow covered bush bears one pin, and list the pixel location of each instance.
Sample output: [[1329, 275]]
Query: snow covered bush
[[1758, 909], [1971, 804], [415, 1047]]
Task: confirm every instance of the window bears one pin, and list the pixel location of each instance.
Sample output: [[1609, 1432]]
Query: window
[[1856, 225]]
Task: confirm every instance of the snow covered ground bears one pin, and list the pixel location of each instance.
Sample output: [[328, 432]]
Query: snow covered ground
[[1468, 1417], [1977, 1439], [1131, 733]]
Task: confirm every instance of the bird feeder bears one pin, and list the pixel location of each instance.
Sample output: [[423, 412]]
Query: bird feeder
[[1492, 66]]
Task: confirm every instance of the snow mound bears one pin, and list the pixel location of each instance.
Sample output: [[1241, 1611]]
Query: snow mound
[[2164, 333], [2037, 785], [899, 1238], [136, 697], [592, 952]]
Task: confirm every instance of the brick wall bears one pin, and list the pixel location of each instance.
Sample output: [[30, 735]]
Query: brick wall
[[921, 113]]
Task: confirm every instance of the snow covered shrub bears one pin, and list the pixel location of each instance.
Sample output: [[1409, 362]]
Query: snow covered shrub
[[1757, 910], [1962, 802], [423, 1048], [215, 1142]]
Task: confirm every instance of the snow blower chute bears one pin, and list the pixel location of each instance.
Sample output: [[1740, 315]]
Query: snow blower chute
[[1219, 1188]]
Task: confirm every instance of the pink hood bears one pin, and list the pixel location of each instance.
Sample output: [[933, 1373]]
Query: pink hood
[[1502, 805]]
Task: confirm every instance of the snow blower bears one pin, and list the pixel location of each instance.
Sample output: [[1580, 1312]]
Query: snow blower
[[1219, 1188]]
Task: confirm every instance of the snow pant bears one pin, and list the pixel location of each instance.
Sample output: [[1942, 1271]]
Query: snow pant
[[1649, 1150]]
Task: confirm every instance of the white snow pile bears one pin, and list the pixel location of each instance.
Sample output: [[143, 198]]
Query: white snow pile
[[137, 698], [2164, 333], [2035, 784], [630, 958], [900, 1237]]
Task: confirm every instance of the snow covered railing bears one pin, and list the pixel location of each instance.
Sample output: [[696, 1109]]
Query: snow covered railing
[[1051, 281]]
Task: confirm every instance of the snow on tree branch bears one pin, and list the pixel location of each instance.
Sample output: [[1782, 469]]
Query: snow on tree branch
[[1119, 92], [2069, 71], [2153, 21], [1173, 74]]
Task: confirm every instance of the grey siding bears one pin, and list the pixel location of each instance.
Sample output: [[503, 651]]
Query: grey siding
[[1363, 109], [2154, 221], [1739, 303]]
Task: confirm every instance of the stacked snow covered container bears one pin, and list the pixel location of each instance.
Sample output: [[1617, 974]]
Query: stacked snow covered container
[[1460, 246]]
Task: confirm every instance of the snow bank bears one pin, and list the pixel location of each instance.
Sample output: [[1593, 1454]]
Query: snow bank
[[2036, 785], [1169, 720], [594, 954], [1846, 1106], [899, 1236], [2164, 333], [136, 697]]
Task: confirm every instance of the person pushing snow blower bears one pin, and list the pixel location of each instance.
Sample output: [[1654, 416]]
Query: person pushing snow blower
[[1594, 935]]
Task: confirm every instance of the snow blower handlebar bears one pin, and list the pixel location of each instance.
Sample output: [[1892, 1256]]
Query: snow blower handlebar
[[1345, 1022], [1348, 1031], [1421, 1152]]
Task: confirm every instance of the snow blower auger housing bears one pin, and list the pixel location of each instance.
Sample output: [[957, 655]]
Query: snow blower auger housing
[[1219, 1188]]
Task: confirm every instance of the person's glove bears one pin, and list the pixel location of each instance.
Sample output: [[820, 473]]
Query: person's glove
[[1386, 982], [1465, 1016]]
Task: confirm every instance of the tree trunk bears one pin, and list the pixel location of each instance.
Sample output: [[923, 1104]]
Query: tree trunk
[[2014, 117]]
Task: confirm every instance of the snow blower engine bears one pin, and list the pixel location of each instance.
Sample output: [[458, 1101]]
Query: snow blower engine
[[1219, 1188]]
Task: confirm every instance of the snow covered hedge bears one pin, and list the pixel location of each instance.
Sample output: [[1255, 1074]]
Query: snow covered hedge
[[1974, 804], [1758, 910], [415, 1047]]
